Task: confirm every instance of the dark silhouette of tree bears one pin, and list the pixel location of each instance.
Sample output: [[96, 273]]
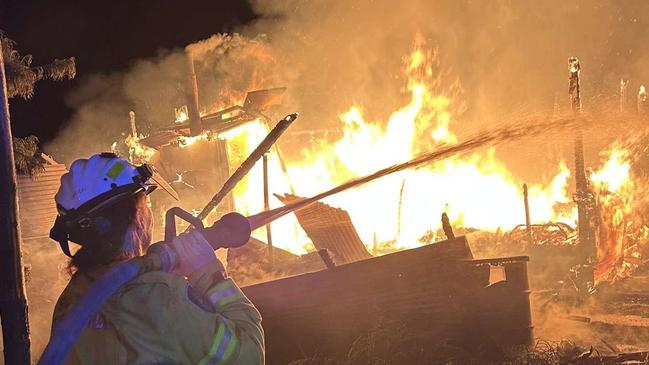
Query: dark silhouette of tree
[[21, 78], [21, 75]]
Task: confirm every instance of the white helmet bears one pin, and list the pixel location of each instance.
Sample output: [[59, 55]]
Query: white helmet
[[94, 184]]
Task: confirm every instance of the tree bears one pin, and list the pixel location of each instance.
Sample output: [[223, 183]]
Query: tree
[[17, 78], [21, 77]]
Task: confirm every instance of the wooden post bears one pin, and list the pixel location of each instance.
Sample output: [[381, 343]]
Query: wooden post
[[624, 95], [447, 228], [642, 101], [269, 235], [375, 247], [193, 107], [13, 301], [403, 185], [131, 117], [583, 196], [528, 223]]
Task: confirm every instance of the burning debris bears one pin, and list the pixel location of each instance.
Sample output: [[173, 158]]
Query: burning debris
[[329, 309]]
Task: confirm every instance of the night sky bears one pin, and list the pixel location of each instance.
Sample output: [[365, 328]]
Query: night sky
[[104, 37]]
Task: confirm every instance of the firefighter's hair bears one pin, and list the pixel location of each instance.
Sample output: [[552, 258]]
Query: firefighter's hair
[[131, 225]]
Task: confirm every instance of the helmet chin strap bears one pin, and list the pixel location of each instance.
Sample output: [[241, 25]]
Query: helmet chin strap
[[60, 234], [86, 216]]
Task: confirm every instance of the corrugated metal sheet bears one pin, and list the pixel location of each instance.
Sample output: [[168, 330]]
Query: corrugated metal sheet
[[37, 210], [436, 292], [331, 229]]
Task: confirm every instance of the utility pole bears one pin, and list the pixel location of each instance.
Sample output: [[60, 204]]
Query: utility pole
[[582, 195], [13, 301]]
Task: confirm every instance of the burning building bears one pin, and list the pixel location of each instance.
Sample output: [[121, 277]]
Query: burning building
[[386, 229]]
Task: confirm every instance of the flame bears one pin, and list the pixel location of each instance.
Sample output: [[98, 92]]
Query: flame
[[248, 194], [186, 141], [623, 231], [181, 114], [615, 172], [137, 152], [475, 190]]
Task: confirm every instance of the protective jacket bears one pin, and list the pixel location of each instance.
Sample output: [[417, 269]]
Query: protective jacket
[[158, 318]]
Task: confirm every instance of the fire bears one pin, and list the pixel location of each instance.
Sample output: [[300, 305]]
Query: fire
[[186, 141], [137, 152], [248, 194], [475, 190], [614, 175], [623, 230], [182, 114]]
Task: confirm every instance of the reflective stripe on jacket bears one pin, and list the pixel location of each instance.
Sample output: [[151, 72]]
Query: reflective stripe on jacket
[[155, 319]]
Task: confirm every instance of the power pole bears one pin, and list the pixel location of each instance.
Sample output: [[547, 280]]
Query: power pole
[[13, 301], [583, 196]]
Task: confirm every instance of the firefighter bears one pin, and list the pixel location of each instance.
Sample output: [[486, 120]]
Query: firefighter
[[193, 314]]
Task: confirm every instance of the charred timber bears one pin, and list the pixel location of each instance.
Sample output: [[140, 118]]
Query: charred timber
[[583, 195], [446, 227], [528, 221], [193, 107]]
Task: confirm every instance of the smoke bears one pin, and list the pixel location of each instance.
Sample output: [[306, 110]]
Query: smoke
[[226, 66], [509, 56]]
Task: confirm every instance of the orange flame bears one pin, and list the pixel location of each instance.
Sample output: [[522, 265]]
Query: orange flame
[[623, 232], [476, 190]]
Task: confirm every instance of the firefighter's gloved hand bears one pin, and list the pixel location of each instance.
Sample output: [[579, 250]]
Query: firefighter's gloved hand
[[194, 256]]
